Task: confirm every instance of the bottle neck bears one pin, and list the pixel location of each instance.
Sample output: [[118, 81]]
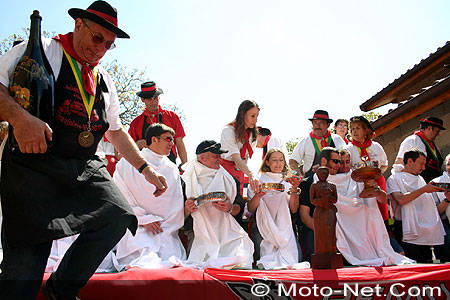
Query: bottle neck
[[35, 29]]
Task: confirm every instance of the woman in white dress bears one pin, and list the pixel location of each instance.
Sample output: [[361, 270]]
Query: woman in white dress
[[239, 139]]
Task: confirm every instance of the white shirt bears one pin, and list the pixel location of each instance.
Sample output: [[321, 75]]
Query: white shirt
[[304, 152], [412, 141], [54, 52], [375, 151], [228, 142], [420, 219]]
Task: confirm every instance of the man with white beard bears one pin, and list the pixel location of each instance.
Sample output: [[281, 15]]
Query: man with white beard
[[156, 244], [418, 226], [361, 235], [219, 240]]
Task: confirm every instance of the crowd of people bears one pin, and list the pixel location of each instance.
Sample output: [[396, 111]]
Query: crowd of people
[[122, 201]]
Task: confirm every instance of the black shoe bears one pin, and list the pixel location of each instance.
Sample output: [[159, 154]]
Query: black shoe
[[49, 292]]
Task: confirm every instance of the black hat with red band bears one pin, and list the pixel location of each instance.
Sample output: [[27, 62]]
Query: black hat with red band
[[102, 13], [433, 121], [321, 115], [148, 90]]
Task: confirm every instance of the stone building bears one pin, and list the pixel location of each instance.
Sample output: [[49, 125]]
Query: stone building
[[422, 91]]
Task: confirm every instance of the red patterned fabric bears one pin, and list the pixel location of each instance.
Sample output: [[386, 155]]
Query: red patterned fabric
[[323, 139], [86, 72], [186, 283], [363, 147]]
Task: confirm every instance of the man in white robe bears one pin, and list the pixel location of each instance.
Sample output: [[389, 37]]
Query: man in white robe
[[442, 200], [219, 240], [156, 243], [418, 225], [360, 232]]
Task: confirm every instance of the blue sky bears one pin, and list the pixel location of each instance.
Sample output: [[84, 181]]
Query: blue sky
[[290, 56]]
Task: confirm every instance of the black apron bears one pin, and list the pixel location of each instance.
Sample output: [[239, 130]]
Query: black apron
[[64, 191], [433, 166], [316, 160]]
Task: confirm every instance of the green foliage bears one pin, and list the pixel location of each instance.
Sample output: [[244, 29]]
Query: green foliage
[[371, 116], [290, 145]]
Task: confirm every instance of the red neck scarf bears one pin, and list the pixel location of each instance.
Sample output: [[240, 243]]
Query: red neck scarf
[[154, 117], [363, 147], [421, 135], [246, 148], [87, 75], [346, 140], [266, 141], [323, 139]]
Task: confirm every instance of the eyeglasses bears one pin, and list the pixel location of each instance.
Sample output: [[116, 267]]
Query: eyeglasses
[[167, 138], [99, 39], [214, 146], [336, 161], [342, 126]]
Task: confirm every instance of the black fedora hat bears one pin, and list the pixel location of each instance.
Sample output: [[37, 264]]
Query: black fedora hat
[[433, 121], [102, 13], [363, 120], [149, 89], [321, 115]]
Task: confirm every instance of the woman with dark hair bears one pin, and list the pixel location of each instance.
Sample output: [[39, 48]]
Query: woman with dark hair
[[341, 129], [239, 139]]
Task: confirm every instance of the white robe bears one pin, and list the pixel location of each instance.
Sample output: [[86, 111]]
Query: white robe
[[360, 231], [60, 247], [420, 218], [219, 240], [278, 247], [145, 249], [445, 178]]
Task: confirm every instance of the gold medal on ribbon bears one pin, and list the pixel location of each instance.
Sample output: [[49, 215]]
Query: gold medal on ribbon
[[85, 138]]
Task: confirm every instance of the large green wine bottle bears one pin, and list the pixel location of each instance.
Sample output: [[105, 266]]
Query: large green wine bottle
[[32, 83]]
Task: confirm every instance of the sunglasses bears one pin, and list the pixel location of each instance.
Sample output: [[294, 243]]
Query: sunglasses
[[99, 39], [336, 161], [167, 138]]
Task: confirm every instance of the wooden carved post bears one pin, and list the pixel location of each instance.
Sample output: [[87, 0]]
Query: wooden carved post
[[323, 195]]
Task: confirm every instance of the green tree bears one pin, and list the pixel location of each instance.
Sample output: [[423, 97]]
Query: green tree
[[371, 115], [290, 145]]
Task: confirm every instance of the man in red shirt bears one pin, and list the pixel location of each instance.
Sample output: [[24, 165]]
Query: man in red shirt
[[154, 113]]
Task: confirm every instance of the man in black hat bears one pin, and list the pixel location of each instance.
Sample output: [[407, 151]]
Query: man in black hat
[[307, 151], [423, 139], [50, 193], [154, 113]]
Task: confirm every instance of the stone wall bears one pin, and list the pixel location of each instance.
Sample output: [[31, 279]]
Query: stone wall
[[391, 140]]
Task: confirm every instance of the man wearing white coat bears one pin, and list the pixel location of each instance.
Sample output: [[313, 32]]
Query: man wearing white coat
[[219, 240], [156, 243]]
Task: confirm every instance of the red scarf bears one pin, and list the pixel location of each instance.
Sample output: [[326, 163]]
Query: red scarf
[[87, 75], [363, 147], [323, 139], [266, 141], [421, 135], [346, 140], [153, 117], [246, 146]]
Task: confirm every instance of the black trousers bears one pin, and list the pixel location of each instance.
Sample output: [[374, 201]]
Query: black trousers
[[23, 267], [420, 253]]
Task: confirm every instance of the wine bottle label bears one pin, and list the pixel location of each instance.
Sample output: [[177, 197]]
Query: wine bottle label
[[21, 95]]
